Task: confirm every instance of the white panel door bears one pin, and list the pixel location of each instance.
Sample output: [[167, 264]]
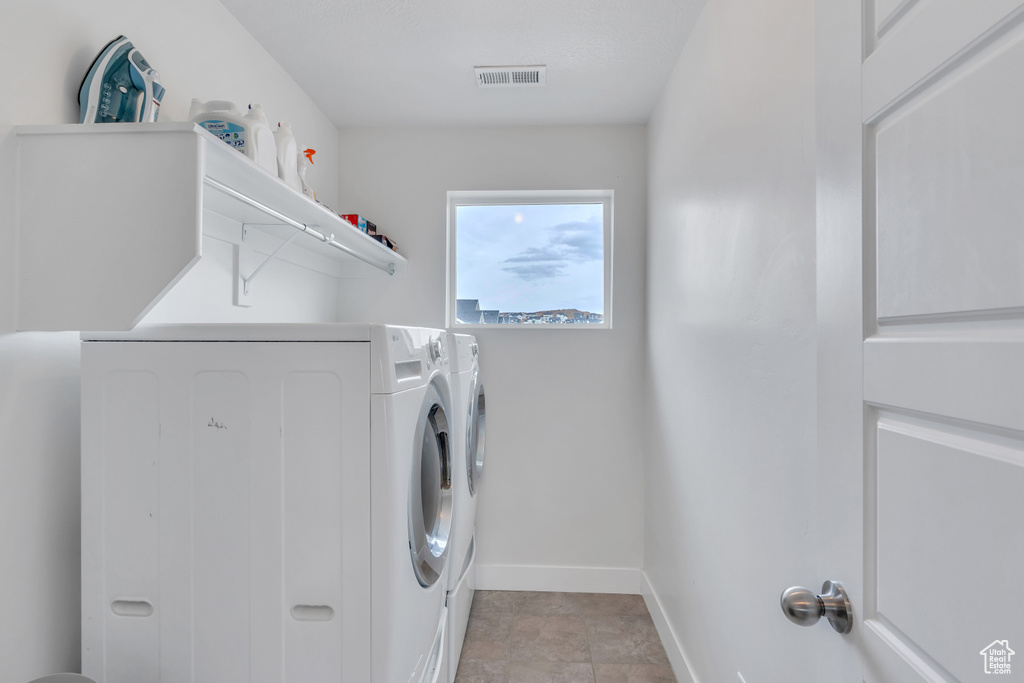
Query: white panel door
[[921, 354]]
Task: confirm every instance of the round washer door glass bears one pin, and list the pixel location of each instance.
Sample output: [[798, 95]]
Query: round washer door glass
[[430, 491], [476, 434]]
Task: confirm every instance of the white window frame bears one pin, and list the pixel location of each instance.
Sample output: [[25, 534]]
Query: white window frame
[[457, 198]]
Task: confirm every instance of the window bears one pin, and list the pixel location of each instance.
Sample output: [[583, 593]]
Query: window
[[528, 259]]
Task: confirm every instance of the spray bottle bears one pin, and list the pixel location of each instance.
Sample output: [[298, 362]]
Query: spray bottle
[[304, 160]]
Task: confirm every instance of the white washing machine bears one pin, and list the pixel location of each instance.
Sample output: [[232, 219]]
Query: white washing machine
[[468, 403], [265, 503]]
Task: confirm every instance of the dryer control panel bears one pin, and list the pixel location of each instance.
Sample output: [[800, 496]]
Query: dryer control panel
[[406, 357]]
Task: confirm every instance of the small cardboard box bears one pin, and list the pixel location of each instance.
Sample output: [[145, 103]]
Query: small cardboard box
[[356, 220]]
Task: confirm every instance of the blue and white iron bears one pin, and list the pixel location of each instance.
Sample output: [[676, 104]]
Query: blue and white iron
[[120, 86]]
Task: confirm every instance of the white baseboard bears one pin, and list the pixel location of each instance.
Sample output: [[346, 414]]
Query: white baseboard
[[502, 577], [673, 648]]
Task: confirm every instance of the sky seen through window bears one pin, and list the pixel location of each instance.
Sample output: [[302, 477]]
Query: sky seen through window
[[531, 257]]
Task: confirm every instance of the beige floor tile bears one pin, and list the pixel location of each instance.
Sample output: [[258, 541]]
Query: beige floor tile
[[633, 673], [624, 640], [551, 672], [538, 602], [529, 602], [494, 601], [488, 636], [609, 604], [549, 638], [528, 636], [477, 671]]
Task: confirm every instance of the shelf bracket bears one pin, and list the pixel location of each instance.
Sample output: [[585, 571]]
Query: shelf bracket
[[243, 282]]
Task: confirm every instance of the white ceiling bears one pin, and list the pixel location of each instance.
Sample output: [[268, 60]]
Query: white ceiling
[[410, 62]]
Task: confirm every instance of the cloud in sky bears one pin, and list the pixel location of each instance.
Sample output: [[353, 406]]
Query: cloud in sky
[[534, 270], [573, 242]]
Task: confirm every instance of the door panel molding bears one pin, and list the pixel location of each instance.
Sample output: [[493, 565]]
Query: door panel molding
[[945, 523], [886, 650], [941, 165], [975, 381], [888, 14], [932, 42], [998, 320], [933, 485]]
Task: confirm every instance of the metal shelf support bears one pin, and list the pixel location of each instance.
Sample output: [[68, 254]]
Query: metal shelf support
[[246, 281]]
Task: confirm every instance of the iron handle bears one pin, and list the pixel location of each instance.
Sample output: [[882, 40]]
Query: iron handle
[[803, 607]]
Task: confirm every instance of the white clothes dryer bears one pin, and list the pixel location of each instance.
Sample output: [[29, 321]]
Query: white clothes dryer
[[265, 503], [469, 407], [414, 406]]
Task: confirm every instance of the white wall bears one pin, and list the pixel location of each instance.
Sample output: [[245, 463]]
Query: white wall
[[730, 477], [47, 46], [563, 484]]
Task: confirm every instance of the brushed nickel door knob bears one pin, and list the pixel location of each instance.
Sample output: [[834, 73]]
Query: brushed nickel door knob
[[803, 607]]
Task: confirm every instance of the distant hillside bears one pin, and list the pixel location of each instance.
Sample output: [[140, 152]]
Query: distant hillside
[[567, 312]]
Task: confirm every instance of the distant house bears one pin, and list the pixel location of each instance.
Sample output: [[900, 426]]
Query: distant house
[[468, 311], [490, 317]]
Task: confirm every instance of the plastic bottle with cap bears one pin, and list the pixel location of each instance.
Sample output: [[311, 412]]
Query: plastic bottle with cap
[[221, 118], [263, 149], [287, 167]]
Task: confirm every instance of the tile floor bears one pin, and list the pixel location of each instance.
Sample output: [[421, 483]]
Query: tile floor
[[525, 637]]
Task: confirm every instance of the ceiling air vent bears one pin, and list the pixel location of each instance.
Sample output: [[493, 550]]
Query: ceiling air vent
[[509, 76]]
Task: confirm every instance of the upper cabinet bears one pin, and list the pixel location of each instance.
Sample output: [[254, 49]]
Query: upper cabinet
[[111, 216]]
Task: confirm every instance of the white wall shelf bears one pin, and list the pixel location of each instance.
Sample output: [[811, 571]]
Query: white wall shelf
[[111, 216]]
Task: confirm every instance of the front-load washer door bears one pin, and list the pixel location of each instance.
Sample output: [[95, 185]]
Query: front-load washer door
[[476, 433], [430, 491]]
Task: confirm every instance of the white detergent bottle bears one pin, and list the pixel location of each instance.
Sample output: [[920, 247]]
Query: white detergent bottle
[[287, 151], [262, 148], [222, 119]]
